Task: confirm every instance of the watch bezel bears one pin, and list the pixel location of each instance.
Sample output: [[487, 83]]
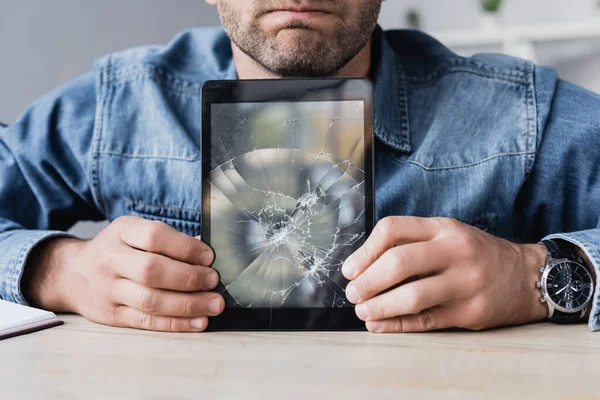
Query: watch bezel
[[550, 266]]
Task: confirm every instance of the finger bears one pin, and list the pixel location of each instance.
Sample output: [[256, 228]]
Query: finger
[[395, 266], [427, 320], [132, 318], [159, 272], [159, 238], [388, 233], [167, 302], [411, 298]]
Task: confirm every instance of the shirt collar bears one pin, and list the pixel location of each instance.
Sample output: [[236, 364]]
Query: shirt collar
[[390, 98]]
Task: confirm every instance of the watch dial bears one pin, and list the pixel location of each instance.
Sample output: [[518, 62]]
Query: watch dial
[[569, 285]]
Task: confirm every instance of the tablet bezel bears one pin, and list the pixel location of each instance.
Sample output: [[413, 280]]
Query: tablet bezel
[[286, 90]]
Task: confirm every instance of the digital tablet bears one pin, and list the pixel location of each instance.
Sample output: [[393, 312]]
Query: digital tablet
[[287, 196]]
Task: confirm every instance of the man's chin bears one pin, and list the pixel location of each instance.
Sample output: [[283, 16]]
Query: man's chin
[[299, 67], [299, 42], [302, 35], [301, 58]]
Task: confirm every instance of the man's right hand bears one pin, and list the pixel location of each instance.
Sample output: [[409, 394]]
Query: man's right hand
[[136, 273]]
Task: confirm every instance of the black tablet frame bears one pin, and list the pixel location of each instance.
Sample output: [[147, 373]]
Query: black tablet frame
[[286, 90]]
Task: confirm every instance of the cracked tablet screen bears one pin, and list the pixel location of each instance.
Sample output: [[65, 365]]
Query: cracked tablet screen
[[287, 200]]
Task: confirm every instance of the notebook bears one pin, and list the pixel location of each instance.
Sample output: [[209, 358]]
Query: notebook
[[17, 320]]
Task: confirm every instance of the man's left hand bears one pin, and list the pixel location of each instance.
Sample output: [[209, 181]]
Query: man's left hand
[[422, 274]]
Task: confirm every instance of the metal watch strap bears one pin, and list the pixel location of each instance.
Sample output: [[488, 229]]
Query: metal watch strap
[[562, 249]]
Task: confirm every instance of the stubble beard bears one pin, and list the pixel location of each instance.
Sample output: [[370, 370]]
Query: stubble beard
[[305, 56]]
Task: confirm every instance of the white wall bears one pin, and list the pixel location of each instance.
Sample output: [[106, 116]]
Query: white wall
[[453, 14], [44, 43], [576, 60]]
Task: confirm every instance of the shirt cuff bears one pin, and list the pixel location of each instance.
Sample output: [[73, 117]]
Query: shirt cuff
[[589, 242], [15, 247]]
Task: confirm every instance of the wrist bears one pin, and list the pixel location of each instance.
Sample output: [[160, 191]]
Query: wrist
[[533, 256], [45, 277]]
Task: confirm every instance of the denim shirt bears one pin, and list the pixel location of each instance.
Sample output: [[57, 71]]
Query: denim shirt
[[493, 141]]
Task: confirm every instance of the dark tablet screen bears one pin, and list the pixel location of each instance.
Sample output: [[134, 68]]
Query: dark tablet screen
[[289, 199]]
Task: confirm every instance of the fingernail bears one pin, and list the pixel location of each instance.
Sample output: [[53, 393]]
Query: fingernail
[[206, 258], [214, 306], [352, 294], [374, 326], [197, 323], [362, 312], [348, 269], [212, 280]]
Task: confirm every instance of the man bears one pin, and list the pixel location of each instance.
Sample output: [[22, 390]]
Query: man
[[492, 153]]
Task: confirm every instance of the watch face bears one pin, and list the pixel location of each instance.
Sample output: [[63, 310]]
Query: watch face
[[568, 285]]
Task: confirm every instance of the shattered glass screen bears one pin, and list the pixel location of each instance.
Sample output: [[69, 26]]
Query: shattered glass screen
[[287, 200]]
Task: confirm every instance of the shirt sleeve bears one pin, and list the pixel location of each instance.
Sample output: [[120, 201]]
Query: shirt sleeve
[[44, 176], [561, 195]]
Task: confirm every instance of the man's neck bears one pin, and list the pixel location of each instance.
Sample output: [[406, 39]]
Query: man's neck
[[247, 68]]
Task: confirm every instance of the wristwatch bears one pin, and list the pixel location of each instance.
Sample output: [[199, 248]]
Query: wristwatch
[[566, 285]]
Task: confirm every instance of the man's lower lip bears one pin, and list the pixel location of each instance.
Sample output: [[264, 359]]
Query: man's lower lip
[[288, 16]]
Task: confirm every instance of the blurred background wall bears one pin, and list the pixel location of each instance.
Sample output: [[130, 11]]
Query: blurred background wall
[[562, 33], [45, 43]]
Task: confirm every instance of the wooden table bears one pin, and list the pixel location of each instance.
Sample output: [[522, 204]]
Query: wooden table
[[82, 360]]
